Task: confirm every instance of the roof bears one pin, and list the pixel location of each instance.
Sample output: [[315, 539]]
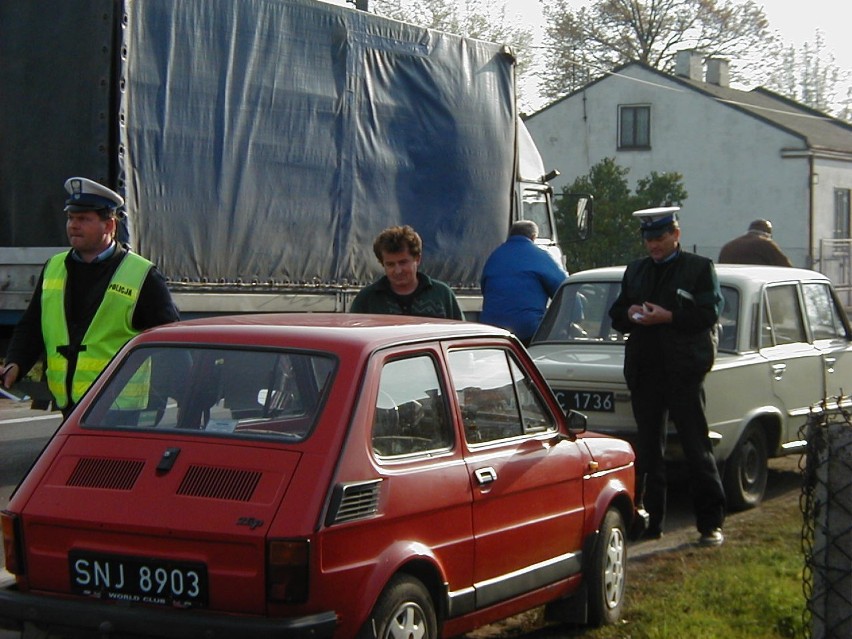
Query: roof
[[358, 330], [818, 130], [727, 274]]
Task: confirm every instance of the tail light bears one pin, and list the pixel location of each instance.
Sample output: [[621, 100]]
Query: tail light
[[12, 546], [287, 571]]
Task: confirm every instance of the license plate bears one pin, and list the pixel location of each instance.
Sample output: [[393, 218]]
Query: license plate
[[136, 579], [597, 401]]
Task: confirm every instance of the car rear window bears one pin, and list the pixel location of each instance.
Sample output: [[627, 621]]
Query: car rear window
[[230, 392]]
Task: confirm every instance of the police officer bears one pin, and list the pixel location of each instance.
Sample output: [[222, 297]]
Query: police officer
[[669, 304], [89, 301]]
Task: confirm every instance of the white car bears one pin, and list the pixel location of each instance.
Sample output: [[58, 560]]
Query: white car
[[785, 346]]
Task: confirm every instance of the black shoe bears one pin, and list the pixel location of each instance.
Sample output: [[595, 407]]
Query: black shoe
[[653, 532], [712, 538]]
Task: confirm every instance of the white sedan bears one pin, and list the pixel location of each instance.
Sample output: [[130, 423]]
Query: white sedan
[[785, 347]]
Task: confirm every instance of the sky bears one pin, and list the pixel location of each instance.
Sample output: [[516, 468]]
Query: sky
[[795, 20], [796, 24]]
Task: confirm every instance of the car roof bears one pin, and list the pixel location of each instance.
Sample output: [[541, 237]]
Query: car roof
[[356, 330], [727, 274]]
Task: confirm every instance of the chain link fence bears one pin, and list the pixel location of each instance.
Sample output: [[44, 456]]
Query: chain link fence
[[827, 523]]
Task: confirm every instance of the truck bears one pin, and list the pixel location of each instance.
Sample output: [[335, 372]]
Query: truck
[[260, 146]]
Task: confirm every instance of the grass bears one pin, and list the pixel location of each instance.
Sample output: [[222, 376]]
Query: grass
[[749, 588]]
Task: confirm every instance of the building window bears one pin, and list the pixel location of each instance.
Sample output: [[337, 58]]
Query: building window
[[634, 127], [841, 214]]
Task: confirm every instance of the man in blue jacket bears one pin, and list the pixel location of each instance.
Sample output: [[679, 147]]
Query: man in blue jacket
[[517, 282]]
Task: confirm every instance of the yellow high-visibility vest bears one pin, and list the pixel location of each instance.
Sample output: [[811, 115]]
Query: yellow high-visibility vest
[[110, 329]]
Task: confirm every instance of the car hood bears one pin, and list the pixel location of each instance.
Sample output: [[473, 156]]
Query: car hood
[[180, 499], [578, 361]]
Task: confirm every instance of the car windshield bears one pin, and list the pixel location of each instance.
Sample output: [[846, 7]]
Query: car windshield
[[580, 313], [226, 391]]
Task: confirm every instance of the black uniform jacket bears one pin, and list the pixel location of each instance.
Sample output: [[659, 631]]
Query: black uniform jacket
[[688, 287]]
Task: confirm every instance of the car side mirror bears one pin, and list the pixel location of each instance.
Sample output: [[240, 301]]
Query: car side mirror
[[577, 421]]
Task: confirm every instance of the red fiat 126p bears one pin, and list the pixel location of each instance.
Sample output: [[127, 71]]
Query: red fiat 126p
[[313, 475]]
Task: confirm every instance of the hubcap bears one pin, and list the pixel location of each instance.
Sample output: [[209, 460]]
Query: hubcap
[[616, 560]]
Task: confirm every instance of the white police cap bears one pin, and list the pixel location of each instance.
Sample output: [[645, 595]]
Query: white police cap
[[654, 222], [88, 195]]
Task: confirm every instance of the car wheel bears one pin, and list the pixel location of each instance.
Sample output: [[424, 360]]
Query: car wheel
[[608, 571], [404, 611], [746, 470]]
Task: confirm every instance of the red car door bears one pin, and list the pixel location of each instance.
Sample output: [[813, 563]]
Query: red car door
[[526, 481]]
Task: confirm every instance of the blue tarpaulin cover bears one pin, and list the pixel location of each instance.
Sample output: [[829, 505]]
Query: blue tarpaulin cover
[[272, 140]]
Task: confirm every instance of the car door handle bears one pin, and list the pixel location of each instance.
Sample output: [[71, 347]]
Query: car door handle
[[485, 475], [829, 364], [778, 371]]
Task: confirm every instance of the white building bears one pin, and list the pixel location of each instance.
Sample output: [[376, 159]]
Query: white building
[[743, 154]]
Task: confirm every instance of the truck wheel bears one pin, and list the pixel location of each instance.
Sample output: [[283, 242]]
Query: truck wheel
[[746, 470], [608, 571], [404, 611]]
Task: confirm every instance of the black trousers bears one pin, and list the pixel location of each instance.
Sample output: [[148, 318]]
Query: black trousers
[[657, 397]]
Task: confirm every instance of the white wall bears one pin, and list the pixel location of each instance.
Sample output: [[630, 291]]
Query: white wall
[[731, 161]]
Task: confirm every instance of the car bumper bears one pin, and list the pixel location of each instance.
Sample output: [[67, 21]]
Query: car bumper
[[78, 618]]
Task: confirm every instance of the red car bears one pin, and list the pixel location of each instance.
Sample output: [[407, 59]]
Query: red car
[[314, 475]]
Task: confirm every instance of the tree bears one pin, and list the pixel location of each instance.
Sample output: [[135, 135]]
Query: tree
[[586, 43], [478, 19], [808, 75], [615, 237]]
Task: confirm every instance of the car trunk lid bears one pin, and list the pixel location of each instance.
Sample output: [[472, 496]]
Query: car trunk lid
[[90, 527]]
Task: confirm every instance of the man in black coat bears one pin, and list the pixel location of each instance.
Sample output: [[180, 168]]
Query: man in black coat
[[669, 304]]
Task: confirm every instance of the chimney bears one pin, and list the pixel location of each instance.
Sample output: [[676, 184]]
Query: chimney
[[688, 64], [717, 72]]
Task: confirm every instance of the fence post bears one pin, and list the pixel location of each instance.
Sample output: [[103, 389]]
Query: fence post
[[828, 514]]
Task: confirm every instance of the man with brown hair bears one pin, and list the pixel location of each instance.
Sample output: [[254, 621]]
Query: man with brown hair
[[402, 290]]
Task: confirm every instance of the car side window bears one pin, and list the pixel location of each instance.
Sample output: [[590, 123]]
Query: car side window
[[497, 399], [534, 414], [728, 319], [823, 316], [783, 319], [411, 415]]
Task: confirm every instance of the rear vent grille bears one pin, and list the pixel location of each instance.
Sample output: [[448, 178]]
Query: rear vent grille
[[115, 474], [354, 501], [219, 483]]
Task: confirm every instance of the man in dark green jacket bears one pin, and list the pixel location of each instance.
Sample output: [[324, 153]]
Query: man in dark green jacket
[[669, 304], [402, 290]]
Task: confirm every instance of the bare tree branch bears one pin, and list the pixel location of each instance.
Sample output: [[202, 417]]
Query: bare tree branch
[[609, 33]]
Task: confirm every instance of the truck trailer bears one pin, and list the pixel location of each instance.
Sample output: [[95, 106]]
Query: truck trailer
[[260, 146]]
